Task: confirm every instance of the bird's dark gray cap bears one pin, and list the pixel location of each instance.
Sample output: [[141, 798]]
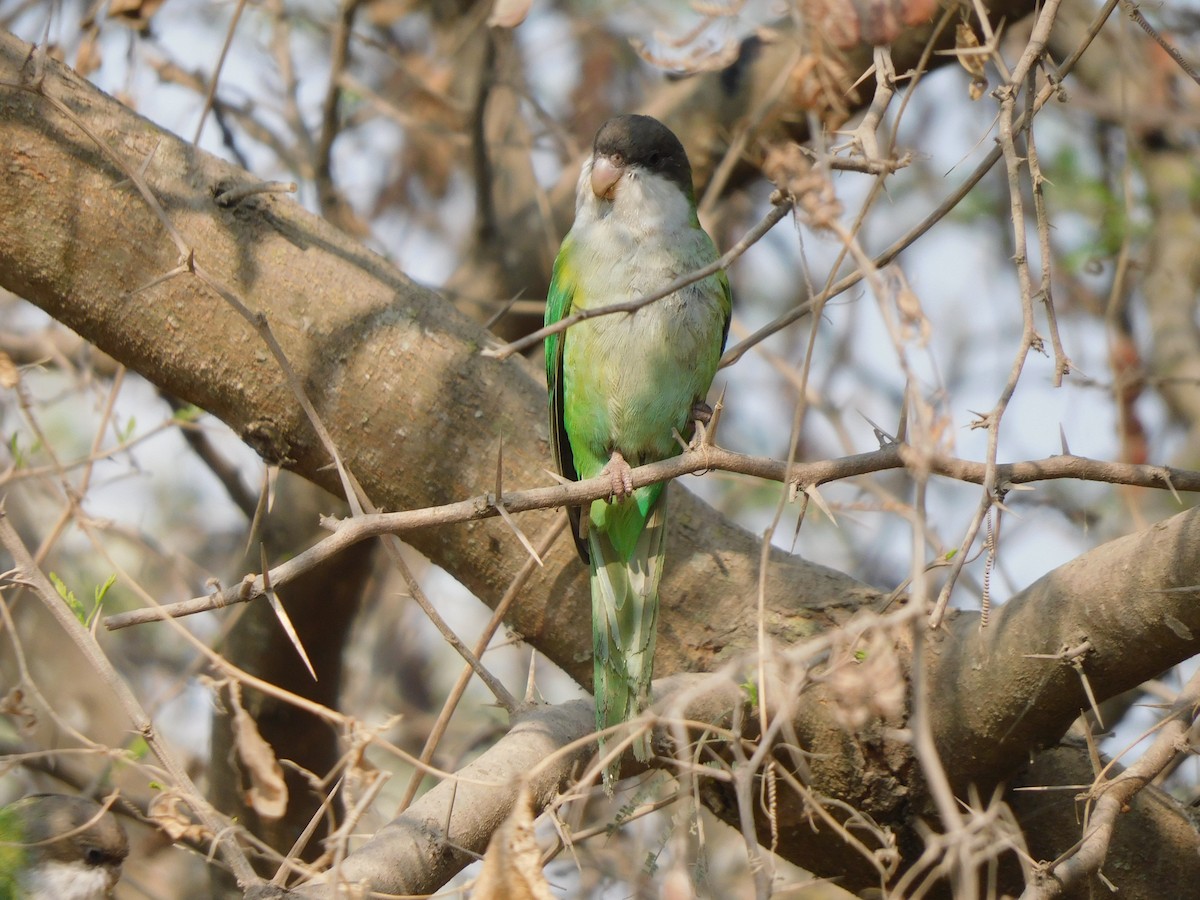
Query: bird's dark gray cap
[[645, 142]]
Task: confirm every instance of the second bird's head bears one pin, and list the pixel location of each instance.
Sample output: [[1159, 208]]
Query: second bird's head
[[59, 847]]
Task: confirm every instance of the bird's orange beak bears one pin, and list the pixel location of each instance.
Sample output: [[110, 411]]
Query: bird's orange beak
[[605, 175]]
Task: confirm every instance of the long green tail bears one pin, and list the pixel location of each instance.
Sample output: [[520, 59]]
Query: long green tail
[[624, 580]]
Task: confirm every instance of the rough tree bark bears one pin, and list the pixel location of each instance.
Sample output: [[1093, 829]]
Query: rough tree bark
[[418, 415]]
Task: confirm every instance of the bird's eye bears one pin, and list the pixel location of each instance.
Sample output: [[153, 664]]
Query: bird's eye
[[94, 856], [618, 159]]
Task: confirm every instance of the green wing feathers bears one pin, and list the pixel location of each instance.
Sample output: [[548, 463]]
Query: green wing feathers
[[726, 305], [558, 306], [624, 580], [559, 303]]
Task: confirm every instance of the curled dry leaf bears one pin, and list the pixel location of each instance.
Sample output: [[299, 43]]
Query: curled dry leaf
[[13, 704], [790, 170], [167, 811], [970, 59], [866, 678], [692, 60], [87, 57], [912, 317], [268, 793], [512, 866], [135, 13]]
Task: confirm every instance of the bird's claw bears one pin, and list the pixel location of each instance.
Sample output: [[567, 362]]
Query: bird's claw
[[620, 476], [702, 416]]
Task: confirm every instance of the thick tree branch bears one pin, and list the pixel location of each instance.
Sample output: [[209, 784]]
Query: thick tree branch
[[413, 854], [396, 375], [1131, 608], [416, 853], [1152, 850], [990, 685]]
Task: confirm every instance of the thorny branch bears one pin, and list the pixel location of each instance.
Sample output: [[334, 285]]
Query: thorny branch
[[1107, 798], [943, 209], [1011, 124], [896, 456]]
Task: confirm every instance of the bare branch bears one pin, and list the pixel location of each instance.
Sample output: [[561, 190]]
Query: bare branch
[[1113, 796], [781, 206], [350, 531]]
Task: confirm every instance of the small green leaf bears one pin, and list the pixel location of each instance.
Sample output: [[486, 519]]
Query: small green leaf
[[103, 589], [72, 603], [189, 413], [751, 689], [99, 593], [138, 748], [950, 554], [127, 432], [860, 655]]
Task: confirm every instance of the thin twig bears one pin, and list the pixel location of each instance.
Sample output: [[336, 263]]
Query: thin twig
[[394, 550], [1010, 126], [781, 207], [1114, 797], [216, 75], [896, 456], [443, 720], [330, 124]]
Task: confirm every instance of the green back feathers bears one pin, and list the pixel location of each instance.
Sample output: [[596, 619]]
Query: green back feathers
[[12, 854]]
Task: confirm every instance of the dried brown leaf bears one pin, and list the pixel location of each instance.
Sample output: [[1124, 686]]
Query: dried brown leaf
[[87, 57], [168, 813], [14, 704], [512, 866], [10, 376], [135, 13], [268, 793], [912, 317], [966, 42]]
